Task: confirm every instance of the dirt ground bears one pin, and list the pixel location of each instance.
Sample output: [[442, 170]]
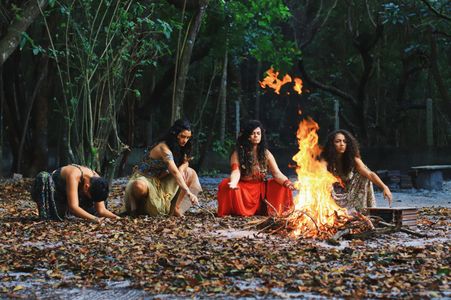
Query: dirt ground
[[203, 256]]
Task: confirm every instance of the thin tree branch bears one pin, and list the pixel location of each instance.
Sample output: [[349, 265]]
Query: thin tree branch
[[369, 14], [328, 88], [12, 38]]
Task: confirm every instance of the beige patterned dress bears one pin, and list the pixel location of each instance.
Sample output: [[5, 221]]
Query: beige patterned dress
[[357, 192]]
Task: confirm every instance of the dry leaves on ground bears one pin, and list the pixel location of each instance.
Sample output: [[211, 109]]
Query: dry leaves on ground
[[205, 255]]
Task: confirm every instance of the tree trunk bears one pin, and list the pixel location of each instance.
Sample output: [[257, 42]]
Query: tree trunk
[[2, 98], [437, 76], [44, 70], [210, 136], [365, 42], [223, 99], [40, 152], [179, 94], [257, 91], [11, 40], [12, 117], [130, 117]]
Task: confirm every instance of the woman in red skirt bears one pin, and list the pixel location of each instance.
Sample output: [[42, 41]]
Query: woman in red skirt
[[248, 192]]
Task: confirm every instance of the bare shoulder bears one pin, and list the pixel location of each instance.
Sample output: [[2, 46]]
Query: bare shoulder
[[71, 172], [358, 161], [268, 154], [159, 150], [360, 165]]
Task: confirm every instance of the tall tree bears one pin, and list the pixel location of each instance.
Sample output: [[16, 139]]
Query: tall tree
[[183, 63]]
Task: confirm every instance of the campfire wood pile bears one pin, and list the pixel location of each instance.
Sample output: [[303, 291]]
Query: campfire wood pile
[[353, 223], [352, 226]]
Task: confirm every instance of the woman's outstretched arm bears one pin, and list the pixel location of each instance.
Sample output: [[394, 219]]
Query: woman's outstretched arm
[[364, 171], [276, 173]]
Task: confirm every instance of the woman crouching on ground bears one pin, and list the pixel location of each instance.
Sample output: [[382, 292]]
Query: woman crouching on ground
[[163, 183], [71, 190], [342, 155]]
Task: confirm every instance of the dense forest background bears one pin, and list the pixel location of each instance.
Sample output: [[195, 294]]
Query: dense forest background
[[87, 81]]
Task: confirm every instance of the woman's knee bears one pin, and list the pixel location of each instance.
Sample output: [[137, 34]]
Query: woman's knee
[[139, 189]]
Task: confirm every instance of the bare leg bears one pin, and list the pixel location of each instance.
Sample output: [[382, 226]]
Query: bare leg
[[138, 192]]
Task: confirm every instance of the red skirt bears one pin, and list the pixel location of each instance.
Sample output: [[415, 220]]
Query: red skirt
[[248, 199]]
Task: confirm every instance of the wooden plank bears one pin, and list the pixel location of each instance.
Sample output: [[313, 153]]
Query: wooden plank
[[400, 216]]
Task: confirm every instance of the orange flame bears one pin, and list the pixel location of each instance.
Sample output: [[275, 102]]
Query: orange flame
[[316, 213], [272, 81], [298, 85]]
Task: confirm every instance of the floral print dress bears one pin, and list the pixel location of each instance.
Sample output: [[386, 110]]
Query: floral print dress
[[356, 192]]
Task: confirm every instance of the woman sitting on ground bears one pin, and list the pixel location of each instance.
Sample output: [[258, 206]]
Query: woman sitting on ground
[[71, 190], [355, 190], [163, 183], [244, 193]]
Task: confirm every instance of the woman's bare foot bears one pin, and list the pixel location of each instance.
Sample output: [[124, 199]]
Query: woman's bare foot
[[177, 213]]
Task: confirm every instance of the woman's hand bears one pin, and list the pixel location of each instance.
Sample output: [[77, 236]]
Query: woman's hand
[[233, 185], [388, 195], [193, 198], [288, 184]]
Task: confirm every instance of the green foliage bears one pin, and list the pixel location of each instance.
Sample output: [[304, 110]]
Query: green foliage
[[223, 149], [100, 47], [256, 30]]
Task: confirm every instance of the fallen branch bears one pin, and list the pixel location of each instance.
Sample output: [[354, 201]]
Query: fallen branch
[[334, 240], [402, 229]]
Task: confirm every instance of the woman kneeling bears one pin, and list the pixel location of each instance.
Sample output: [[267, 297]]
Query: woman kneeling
[[71, 190], [245, 192]]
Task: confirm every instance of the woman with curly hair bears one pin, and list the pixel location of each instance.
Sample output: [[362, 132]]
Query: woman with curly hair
[[163, 183], [245, 192], [355, 190]]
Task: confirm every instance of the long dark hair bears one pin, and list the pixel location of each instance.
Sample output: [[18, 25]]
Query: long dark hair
[[244, 148], [329, 153], [170, 138]]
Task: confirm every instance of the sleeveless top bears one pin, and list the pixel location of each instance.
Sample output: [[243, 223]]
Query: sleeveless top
[[152, 167], [60, 189]]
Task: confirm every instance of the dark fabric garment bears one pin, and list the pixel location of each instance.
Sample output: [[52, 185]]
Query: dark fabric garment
[[43, 193]]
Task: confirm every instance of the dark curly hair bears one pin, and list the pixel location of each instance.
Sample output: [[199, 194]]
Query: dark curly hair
[[99, 189], [244, 148], [329, 153], [181, 154]]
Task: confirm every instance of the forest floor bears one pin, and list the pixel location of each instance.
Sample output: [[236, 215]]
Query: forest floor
[[203, 256]]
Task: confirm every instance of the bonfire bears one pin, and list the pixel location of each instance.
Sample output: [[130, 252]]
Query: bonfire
[[315, 213]]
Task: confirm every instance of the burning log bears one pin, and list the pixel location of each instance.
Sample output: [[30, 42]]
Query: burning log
[[288, 225]]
